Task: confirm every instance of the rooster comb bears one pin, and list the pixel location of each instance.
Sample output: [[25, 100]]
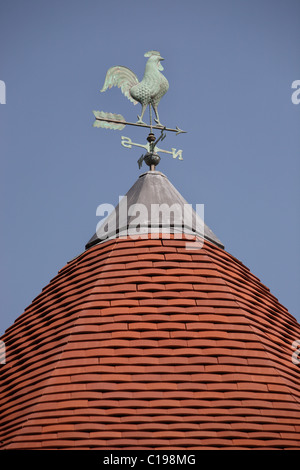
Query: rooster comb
[[150, 53]]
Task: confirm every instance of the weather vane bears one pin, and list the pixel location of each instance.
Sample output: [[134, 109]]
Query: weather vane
[[147, 92]]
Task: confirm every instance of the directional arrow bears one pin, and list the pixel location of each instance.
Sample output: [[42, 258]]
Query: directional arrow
[[117, 122], [127, 143]]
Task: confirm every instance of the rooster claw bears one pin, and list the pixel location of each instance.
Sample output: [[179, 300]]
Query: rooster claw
[[140, 121], [158, 123]]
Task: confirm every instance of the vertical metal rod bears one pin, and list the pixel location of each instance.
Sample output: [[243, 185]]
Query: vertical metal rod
[[150, 111]]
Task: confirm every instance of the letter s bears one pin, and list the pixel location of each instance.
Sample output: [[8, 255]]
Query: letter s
[[296, 95], [126, 142]]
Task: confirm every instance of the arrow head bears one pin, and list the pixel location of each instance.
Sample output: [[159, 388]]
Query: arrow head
[[179, 131]]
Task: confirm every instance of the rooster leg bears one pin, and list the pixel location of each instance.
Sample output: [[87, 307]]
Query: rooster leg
[[140, 121], [154, 106]]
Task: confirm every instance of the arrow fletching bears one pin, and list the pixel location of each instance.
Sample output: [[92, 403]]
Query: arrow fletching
[[109, 120]]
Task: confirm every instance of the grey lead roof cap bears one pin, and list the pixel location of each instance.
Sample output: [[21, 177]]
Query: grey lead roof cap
[[152, 205]]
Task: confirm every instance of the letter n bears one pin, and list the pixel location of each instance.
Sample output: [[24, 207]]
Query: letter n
[[175, 153]]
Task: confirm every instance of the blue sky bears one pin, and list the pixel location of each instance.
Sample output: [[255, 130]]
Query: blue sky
[[230, 65]]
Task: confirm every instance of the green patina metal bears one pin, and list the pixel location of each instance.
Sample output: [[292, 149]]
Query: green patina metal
[[118, 122], [147, 92]]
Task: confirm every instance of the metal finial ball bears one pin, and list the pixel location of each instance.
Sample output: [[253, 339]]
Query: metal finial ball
[[152, 159]]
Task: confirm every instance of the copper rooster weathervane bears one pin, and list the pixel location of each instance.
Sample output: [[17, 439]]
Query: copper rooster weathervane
[[147, 92]]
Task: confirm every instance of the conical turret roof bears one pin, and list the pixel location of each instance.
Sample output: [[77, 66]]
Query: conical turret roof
[[155, 205], [149, 343]]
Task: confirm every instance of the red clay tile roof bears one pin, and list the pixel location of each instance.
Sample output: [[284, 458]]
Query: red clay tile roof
[[145, 345]]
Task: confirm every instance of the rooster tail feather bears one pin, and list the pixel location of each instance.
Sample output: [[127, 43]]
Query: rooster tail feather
[[123, 78]]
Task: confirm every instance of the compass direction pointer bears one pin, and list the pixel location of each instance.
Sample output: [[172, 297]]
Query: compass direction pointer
[[151, 148], [127, 143]]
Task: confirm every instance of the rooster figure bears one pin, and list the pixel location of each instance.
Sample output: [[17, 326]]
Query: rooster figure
[[147, 92]]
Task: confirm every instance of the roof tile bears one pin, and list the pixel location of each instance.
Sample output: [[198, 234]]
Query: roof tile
[[141, 344]]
